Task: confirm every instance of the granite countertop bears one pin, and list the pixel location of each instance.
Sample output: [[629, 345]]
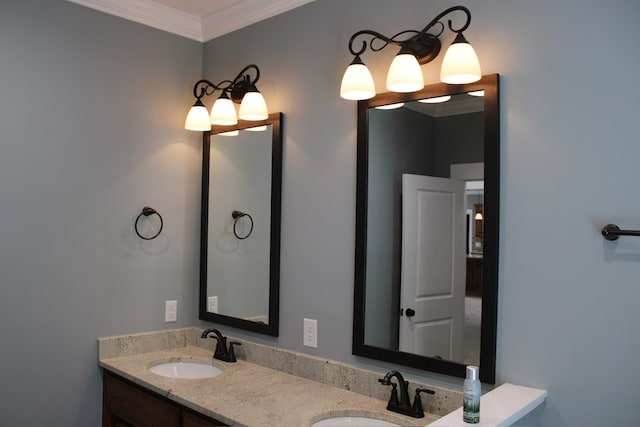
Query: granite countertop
[[251, 395]]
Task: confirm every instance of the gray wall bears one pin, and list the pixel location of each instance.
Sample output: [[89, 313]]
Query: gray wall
[[459, 139], [567, 308], [72, 184], [91, 115]]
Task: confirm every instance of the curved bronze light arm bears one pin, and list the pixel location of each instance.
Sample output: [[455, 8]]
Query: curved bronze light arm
[[423, 45], [235, 88]]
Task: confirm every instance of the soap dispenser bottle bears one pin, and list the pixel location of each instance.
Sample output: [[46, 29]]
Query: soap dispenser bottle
[[471, 400]]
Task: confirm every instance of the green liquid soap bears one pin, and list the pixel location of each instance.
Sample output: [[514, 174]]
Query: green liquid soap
[[471, 400]]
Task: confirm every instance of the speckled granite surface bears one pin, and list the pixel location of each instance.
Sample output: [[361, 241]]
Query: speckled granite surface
[[266, 387]]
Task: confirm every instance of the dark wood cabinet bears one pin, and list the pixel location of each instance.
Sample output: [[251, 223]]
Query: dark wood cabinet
[[474, 277], [126, 404], [193, 419]]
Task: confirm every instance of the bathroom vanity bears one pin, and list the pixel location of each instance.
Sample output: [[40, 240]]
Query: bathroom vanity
[[267, 386], [294, 390]]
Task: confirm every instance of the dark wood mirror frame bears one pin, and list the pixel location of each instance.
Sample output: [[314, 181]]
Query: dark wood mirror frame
[[272, 327], [490, 85]]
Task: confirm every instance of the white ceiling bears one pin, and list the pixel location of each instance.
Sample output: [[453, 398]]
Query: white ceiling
[[200, 20]]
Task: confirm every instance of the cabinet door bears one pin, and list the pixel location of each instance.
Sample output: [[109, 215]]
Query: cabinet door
[[125, 404], [116, 422], [474, 277], [192, 419]]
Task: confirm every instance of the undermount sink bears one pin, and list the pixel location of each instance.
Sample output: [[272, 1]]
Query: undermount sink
[[186, 369], [353, 421]]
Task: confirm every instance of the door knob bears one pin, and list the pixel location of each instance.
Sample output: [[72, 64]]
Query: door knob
[[410, 312]]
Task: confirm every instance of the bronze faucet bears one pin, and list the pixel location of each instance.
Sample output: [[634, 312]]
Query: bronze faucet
[[404, 406], [222, 352]]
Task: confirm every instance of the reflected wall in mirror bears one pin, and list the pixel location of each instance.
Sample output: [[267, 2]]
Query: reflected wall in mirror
[[427, 228], [240, 225]]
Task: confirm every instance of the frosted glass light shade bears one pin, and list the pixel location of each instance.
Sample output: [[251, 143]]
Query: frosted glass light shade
[[223, 112], [230, 133], [357, 82], [405, 74], [198, 118], [253, 107], [460, 64]]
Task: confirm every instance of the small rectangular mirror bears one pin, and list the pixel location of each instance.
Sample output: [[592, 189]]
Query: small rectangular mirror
[[240, 225]]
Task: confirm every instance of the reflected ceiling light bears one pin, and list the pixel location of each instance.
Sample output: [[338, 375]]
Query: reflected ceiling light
[[476, 93], [390, 106], [257, 128], [241, 90], [435, 99], [478, 216], [459, 66], [230, 133]]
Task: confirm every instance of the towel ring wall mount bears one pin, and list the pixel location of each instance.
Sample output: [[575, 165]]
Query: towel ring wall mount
[[147, 211]]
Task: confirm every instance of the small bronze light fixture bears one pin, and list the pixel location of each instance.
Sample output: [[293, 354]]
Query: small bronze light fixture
[[460, 64], [242, 90]]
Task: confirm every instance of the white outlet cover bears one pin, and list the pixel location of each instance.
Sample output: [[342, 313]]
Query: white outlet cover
[[310, 338], [171, 311]]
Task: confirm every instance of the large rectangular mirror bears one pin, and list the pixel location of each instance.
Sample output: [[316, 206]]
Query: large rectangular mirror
[[240, 225], [426, 271]]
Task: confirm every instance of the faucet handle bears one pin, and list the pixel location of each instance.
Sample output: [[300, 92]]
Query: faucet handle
[[393, 399], [417, 409], [232, 353], [221, 348]]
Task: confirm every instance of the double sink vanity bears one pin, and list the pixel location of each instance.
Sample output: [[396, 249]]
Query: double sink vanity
[[265, 387], [169, 378]]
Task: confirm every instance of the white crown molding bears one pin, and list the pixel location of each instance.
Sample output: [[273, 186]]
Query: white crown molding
[[150, 13], [165, 18], [244, 14]]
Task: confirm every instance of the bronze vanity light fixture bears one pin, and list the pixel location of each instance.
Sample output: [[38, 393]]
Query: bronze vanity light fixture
[[242, 90], [460, 64], [460, 77]]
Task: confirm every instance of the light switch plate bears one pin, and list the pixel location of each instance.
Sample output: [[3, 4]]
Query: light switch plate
[[310, 338], [171, 311]]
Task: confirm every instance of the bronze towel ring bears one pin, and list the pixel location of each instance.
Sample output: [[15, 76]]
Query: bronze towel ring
[[147, 211], [236, 215]]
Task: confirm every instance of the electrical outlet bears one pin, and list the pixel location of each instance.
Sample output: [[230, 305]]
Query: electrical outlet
[[310, 338], [170, 311], [212, 304]]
